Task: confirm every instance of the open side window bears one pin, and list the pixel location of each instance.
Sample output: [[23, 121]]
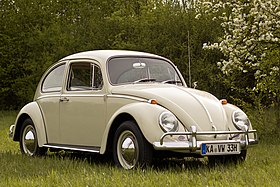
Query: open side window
[[84, 76]]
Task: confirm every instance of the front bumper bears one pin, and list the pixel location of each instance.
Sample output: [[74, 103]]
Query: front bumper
[[11, 131], [194, 146]]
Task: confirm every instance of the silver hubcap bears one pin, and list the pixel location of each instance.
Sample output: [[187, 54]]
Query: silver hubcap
[[127, 150], [28, 139]]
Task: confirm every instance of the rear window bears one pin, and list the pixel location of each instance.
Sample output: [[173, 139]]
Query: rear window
[[53, 81]]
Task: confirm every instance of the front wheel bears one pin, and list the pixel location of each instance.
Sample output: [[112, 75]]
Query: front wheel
[[130, 148], [29, 141]]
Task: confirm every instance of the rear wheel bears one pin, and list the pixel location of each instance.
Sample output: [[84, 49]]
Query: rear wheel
[[130, 148], [29, 141]]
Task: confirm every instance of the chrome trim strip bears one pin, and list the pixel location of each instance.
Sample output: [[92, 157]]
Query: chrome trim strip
[[74, 148], [90, 94], [203, 106], [47, 96], [127, 97]]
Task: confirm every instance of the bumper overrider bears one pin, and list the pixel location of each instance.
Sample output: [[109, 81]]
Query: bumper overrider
[[195, 146], [11, 131]]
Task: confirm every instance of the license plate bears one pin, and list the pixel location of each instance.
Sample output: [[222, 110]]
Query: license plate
[[220, 149]]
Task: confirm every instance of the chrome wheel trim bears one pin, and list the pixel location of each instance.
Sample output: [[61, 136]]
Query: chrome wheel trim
[[29, 140], [127, 150]]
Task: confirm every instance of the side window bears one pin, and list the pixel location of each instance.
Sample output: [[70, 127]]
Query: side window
[[53, 81], [84, 76], [97, 77]]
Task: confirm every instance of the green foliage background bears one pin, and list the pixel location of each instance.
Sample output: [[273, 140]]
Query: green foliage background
[[36, 33]]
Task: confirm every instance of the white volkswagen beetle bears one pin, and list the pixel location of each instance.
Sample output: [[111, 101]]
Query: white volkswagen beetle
[[134, 105]]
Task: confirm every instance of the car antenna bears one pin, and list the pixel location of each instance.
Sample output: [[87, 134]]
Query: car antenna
[[189, 57]]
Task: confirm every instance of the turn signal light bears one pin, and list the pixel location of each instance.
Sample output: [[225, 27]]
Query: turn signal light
[[223, 101], [153, 101]]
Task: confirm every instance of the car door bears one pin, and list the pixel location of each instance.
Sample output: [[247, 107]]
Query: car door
[[82, 105], [49, 101]]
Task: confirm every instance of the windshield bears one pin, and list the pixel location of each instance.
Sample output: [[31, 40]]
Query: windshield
[[136, 70]]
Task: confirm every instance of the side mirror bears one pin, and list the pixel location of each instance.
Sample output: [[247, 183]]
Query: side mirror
[[194, 84]]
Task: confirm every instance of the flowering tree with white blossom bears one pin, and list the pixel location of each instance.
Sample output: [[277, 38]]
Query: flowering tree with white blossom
[[251, 41]]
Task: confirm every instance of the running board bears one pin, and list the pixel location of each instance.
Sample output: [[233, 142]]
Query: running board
[[91, 149]]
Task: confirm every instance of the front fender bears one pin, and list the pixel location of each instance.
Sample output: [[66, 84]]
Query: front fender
[[32, 111], [229, 109], [146, 116]]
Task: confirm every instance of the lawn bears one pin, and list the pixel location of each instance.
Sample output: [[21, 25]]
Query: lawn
[[69, 169]]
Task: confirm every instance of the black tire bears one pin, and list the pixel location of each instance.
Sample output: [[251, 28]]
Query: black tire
[[29, 141], [235, 159], [138, 152]]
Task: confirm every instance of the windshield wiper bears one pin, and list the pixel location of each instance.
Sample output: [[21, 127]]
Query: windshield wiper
[[145, 80], [171, 81]]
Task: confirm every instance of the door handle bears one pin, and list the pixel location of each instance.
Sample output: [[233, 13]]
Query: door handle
[[64, 99]]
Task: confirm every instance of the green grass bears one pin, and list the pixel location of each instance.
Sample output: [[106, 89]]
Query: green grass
[[266, 121], [262, 168]]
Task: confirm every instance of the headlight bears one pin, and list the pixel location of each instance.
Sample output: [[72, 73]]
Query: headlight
[[240, 119], [168, 122]]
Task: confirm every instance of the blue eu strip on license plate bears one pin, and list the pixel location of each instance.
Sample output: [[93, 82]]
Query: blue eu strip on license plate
[[220, 149]]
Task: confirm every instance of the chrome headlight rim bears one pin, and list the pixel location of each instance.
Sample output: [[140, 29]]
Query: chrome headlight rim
[[237, 120], [163, 122]]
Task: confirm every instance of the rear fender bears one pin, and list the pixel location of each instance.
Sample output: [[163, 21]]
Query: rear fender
[[32, 111]]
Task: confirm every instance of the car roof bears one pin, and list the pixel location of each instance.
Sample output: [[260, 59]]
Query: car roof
[[107, 54]]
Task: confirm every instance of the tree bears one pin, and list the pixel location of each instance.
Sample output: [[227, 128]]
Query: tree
[[250, 44], [37, 33]]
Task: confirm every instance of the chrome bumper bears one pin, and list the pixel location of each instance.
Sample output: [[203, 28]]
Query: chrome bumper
[[11, 131], [194, 146]]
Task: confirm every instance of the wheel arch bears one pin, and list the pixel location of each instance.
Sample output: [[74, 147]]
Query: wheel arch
[[122, 117], [32, 111], [19, 124], [145, 115]]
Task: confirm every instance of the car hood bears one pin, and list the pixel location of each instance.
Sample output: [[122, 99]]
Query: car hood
[[191, 107]]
